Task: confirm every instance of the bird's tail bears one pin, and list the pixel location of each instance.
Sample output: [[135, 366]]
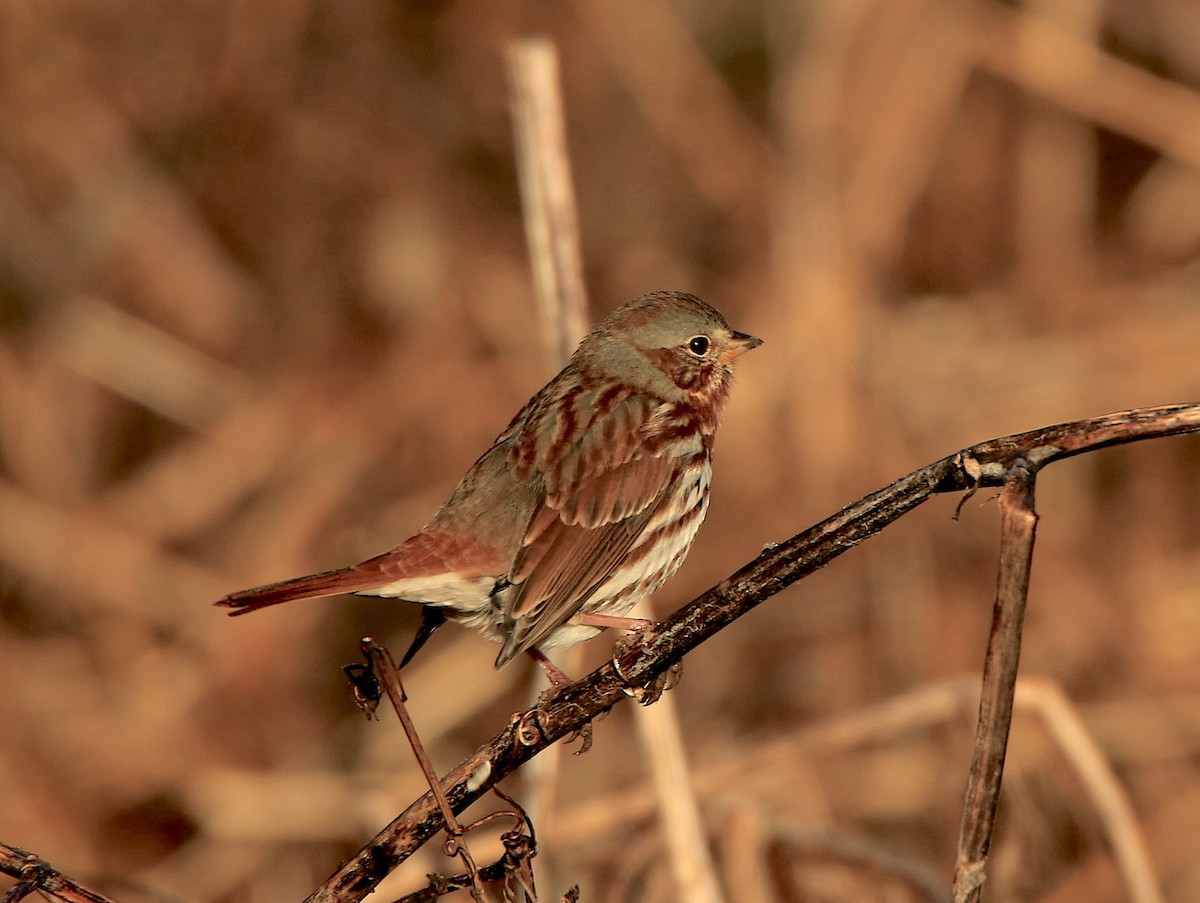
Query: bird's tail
[[327, 583]]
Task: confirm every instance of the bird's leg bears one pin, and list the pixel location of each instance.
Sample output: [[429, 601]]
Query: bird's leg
[[554, 674], [557, 678], [634, 627]]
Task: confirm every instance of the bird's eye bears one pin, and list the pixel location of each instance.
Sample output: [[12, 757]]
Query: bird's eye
[[698, 345]]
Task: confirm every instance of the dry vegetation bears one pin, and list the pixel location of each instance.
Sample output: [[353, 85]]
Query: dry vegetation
[[265, 295]]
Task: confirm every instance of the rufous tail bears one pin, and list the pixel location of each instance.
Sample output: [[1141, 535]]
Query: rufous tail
[[327, 583]]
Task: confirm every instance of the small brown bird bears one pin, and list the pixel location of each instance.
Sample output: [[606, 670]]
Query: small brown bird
[[587, 502]]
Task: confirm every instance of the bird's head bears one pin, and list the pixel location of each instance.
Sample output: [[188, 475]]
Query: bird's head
[[669, 343]]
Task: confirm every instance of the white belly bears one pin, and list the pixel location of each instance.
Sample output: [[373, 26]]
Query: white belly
[[468, 594]]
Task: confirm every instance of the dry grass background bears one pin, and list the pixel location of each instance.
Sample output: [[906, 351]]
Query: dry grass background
[[264, 295]]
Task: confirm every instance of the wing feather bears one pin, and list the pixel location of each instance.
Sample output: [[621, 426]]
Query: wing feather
[[600, 496]]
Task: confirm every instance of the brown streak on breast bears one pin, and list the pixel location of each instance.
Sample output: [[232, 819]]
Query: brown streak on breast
[[608, 399]]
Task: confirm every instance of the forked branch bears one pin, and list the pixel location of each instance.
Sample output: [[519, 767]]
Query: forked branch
[[569, 707], [1018, 524]]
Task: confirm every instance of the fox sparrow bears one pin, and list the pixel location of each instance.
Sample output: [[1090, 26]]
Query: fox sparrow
[[587, 502]]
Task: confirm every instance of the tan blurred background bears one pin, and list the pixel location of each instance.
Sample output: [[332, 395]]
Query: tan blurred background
[[264, 296]]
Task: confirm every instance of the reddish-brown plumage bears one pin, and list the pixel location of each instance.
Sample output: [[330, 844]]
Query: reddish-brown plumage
[[587, 501]]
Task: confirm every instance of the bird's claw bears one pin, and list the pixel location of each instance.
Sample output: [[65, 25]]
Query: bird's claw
[[674, 675], [530, 730], [624, 653], [585, 736], [652, 692]]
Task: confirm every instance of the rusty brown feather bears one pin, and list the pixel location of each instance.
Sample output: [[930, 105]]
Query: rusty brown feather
[[587, 501]]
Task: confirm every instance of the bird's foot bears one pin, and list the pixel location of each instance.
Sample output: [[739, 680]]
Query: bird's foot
[[635, 631], [557, 678], [556, 675], [625, 649], [650, 693], [584, 733], [585, 736], [632, 625]]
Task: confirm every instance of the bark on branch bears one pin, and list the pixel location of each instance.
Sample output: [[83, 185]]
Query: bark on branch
[[36, 876], [568, 708]]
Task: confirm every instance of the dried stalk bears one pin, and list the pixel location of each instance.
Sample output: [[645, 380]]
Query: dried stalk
[[1018, 525], [569, 707], [552, 233], [551, 227], [548, 196], [382, 668]]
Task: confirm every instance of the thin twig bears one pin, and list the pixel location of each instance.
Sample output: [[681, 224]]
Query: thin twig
[[567, 708], [33, 874], [384, 667], [514, 867], [1018, 525]]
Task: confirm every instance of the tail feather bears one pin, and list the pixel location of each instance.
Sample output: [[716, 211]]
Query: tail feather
[[327, 583]]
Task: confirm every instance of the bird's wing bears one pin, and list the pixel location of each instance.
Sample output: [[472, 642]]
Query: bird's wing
[[600, 498]]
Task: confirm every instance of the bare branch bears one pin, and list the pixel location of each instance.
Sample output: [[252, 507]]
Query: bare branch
[[569, 707], [33, 874], [1018, 525]]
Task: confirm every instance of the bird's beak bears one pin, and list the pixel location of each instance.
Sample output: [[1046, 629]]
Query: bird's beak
[[739, 343]]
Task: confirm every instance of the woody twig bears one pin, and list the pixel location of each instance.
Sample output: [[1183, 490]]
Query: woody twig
[[565, 709]]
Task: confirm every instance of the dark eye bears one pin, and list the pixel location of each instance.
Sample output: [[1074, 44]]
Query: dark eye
[[698, 345]]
